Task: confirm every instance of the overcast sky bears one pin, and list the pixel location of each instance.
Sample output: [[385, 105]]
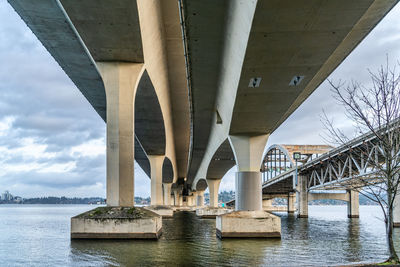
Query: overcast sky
[[52, 142]]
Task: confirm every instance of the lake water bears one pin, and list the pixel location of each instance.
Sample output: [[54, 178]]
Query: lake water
[[39, 235]]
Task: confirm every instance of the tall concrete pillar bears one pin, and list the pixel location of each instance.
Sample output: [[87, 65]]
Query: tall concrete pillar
[[291, 208], [353, 204], [180, 202], [156, 163], [249, 219], [167, 193], [192, 201], [248, 153], [302, 199], [213, 187], [120, 81], [176, 197], [200, 198]]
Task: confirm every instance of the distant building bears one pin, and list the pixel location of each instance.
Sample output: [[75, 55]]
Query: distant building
[[6, 196]]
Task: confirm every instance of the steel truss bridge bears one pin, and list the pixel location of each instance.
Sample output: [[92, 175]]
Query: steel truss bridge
[[348, 166]]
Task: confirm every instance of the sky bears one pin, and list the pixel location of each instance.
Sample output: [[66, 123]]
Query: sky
[[52, 142]]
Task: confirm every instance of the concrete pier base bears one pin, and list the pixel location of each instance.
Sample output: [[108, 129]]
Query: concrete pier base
[[162, 210], [211, 212], [116, 223], [275, 208], [185, 208], [260, 224]]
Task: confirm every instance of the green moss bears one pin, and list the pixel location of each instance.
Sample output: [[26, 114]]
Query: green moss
[[103, 213], [135, 213], [389, 263]]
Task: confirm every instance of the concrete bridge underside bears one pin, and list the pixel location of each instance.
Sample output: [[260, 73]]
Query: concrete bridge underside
[[191, 88]]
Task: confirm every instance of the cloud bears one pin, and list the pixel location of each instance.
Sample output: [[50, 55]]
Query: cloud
[[51, 139]]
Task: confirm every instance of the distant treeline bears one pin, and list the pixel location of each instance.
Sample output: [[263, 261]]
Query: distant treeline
[[63, 200], [223, 196], [67, 200]]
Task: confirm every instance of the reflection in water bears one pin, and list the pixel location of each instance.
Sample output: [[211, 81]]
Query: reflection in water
[[40, 234], [353, 247]]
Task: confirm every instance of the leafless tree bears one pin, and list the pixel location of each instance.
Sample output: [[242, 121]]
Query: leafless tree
[[375, 112]]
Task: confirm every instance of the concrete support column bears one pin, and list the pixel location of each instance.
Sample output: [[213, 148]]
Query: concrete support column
[[180, 200], [167, 193], [396, 211], [213, 187], [176, 198], [200, 198], [291, 208], [248, 191], [156, 164], [353, 204], [302, 197], [120, 82], [194, 199], [248, 153]]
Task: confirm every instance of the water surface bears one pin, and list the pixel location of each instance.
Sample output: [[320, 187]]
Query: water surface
[[38, 235]]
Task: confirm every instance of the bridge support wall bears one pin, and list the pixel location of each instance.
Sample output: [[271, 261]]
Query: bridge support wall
[[120, 82], [302, 197], [213, 187], [267, 202]]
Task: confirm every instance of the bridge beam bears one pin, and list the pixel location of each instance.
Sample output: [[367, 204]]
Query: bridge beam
[[120, 82], [302, 197]]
